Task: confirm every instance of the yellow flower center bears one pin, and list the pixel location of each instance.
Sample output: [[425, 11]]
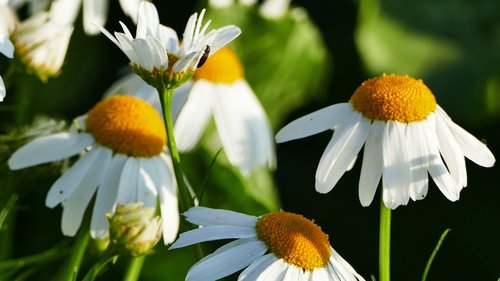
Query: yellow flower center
[[394, 98], [221, 67], [127, 125], [295, 239]]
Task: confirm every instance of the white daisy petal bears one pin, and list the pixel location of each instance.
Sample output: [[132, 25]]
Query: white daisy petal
[[207, 216], [293, 273], [224, 263], [437, 169], [129, 180], [168, 39], [2, 89], [194, 116], [74, 207], [396, 175], [254, 270], [6, 46], [106, 196], [343, 269], [214, 232], [451, 152], [94, 12], [275, 271], [147, 20], [64, 187], [372, 166], [340, 152], [146, 190], [189, 61], [225, 35], [49, 149], [316, 122], [471, 147], [419, 157], [242, 126], [167, 192]]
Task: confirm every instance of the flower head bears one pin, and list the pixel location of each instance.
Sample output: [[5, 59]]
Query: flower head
[[124, 160], [133, 229], [157, 55], [406, 135], [275, 246], [219, 88]]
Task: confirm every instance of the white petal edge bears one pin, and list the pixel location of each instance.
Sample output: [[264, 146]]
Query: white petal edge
[[372, 166], [315, 122], [49, 149], [253, 271], [204, 216], [167, 192], [211, 233]]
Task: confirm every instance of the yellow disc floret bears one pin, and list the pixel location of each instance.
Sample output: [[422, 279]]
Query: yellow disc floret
[[295, 239], [394, 98], [127, 125], [222, 67]]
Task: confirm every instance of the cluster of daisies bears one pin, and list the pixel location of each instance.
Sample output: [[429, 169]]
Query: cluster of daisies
[[124, 159]]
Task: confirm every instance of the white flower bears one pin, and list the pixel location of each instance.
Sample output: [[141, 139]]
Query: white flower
[[8, 21], [156, 46], [95, 12], [124, 160], [42, 40], [219, 88], [406, 135], [276, 246]]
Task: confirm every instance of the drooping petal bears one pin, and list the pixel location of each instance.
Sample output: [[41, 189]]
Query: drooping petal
[[75, 177], [225, 35], [106, 197], [234, 256], [275, 271], [147, 188], [396, 176], [314, 123], [243, 127], [6, 46], [207, 216], [342, 268], [345, 144], [129, 180], [451, 151], [167, 192], [74, 207], [194, 116], [419, 157], [293, 273], [211, 233], [254, 270], [471, 147], [49, 149], [437, 169], [372, 166]]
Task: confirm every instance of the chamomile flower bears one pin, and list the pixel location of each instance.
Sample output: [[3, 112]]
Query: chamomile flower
[[275, 246], [42, 40], [122, 139], [406, 135], [219, 88], [156, 53]]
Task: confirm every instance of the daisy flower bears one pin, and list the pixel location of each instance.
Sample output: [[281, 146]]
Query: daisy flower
[[219, 88], [275, 246], [42, 40], [156, 52], [406, 135], [122, 139]]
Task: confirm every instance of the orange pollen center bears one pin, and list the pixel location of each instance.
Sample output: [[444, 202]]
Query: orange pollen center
[[127, 125], [295, 239], [394, 98], [221, 67]]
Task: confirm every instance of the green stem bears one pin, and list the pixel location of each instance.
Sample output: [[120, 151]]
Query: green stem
[[76, 258], [384, 243], [434, 253], [166, 99], [134, 268], [108, 256], [44, 257]]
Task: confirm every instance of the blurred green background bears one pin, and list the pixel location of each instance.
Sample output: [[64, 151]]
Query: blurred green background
[[307, 60]]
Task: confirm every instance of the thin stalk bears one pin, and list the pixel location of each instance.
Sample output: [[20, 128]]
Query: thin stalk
[[384, 243], [76, 258], [166, 100], [134, 268], [41, 258], [434, 253], [108, 256]]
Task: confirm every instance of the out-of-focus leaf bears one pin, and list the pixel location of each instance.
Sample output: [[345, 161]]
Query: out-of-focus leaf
[[493, 96], [286, 61], [452, 45]]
